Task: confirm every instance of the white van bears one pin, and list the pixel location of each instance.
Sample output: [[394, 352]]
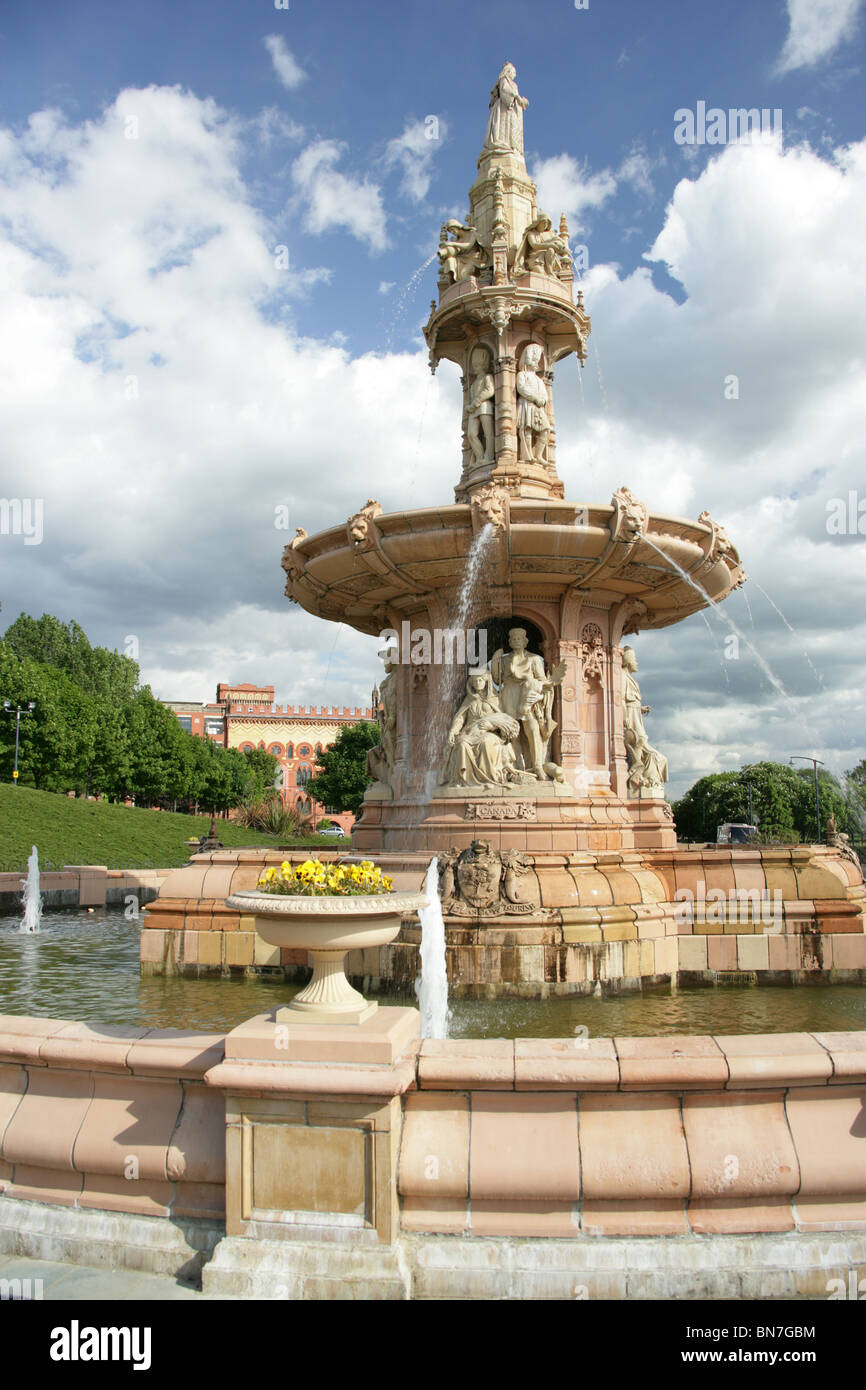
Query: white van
[[735, 833]]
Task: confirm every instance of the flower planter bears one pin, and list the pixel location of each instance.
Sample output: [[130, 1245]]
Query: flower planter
[[327, 927]]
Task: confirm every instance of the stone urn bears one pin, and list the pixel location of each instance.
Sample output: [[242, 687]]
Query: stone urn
[[327, 927]]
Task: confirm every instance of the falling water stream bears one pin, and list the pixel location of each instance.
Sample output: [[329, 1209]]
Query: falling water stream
[[726, 618], [446, 676], [431, 986], [31, 898], [404, 296]]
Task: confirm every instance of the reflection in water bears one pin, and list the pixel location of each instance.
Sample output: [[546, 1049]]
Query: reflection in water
[[84, 966]]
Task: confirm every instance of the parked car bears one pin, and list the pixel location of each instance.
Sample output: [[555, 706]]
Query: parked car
[[334, 829], [735, 834]]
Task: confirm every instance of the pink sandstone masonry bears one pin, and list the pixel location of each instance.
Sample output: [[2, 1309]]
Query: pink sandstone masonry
[[609, 919], [440, 1169], [84, 885]]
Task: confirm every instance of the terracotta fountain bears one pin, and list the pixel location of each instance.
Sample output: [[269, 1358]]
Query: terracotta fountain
[[514, 745]]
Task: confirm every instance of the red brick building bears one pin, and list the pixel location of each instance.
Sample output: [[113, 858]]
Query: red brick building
[[245, 716]]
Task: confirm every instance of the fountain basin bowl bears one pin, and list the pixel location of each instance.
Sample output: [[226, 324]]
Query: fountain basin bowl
[[327, 927], [326, 923]]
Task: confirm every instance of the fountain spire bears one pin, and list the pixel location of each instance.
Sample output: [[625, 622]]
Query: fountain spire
[[506, 313]]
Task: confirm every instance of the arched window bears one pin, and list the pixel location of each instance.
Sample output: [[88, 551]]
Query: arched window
[[304, 774], [304, 750], [246, 748], [290, 750], [276, 749]]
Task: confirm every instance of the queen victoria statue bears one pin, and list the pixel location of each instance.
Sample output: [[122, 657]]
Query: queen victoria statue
[[505, 123]]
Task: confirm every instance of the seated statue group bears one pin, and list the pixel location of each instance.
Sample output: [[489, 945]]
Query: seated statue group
[[500, 735]]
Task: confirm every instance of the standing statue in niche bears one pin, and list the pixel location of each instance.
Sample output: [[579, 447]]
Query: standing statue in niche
[[463, 255], [533, 422], [526, 693], [479, 406], [647, 768], [481, 738], [380, 758], [542, 249], [505, 123]]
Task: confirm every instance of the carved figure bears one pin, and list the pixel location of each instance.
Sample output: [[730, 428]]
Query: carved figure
[[526, 693], [358, 526], [479, 406], [533, 423], [647, 768], [463, 256], [542, 249], [505, 122], [483, 882], [481, 738], [490, 503], [380, 759]]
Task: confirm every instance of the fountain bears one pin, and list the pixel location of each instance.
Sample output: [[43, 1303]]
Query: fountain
[[528, 770], [299, 1161], [31, 898]]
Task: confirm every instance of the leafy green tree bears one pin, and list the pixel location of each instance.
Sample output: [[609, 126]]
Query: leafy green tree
[[262, 770], [57, 738], [782, 802], [341, 776]]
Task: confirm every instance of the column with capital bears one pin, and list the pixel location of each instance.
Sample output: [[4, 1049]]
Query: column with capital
[[505, 381]]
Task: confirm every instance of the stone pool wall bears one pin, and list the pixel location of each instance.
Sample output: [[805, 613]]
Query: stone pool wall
[[323, 1162], [618, 921], [85, 885]]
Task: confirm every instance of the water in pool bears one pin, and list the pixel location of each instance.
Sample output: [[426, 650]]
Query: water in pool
[[84, 966]]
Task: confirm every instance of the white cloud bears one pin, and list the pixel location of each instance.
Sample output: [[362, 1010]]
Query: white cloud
[[334, 200], [413, 152], [816, 29], [118, 254], [565, 185], [386, 286], [287, 69]]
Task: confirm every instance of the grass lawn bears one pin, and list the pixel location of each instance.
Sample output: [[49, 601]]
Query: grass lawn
[[121, 837]]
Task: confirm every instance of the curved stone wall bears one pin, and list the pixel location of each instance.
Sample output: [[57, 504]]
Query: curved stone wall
[[613, 920], [363, 1155]]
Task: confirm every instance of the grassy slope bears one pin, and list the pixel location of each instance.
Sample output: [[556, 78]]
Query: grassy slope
[[93, 832]]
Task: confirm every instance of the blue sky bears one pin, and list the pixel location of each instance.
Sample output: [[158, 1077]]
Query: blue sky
[[157, 358]]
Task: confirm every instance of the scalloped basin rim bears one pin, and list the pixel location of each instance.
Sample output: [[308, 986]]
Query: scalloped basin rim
[[325, 905], [327, 923]]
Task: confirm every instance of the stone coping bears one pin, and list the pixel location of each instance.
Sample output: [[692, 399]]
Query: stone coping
[[325, 905], [384, 1057]]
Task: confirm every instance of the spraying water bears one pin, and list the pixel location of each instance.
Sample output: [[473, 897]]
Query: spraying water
[[431, 986], [447, 676], [407, 293], [817, 674], [31, 898], [726, 618]]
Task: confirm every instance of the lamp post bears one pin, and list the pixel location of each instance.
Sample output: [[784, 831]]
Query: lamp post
[[19, 710], [816, 763]]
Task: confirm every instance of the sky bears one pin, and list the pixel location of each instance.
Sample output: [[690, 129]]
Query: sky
[[216, 229]]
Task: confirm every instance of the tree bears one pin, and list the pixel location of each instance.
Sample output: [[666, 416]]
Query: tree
[[341, 776], [262, 770], [782, 802]]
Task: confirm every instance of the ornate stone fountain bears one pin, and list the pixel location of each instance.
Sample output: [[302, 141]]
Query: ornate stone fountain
[[513, 740]]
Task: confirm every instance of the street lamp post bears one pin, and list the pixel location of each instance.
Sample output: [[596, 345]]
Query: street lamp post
[[19, 710], [816, 763]]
